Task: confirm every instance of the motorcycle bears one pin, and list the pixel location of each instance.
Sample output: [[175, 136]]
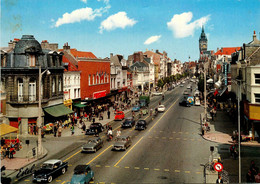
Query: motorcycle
[[109, 137]]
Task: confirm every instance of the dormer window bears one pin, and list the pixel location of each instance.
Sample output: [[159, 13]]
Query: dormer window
[[31, 60]]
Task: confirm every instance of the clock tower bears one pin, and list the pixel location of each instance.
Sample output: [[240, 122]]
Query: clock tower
[[203, 42]]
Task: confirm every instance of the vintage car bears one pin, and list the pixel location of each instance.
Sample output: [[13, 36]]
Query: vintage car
[[120, 115], [49, 170], [184, 102], [82, 174], [141, 125], [136, 108], [94, 128], [157, 93], [122, 143], [129, 122], [92, 145], [161, 108], [144, 111]]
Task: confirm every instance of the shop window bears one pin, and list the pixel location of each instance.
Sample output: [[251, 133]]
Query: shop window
[[257, 78], [53, 85], [89, 79], [60, 86], [257, 98]]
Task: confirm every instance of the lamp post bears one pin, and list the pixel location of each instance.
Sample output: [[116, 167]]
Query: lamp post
[[238, 121], [40, 111]]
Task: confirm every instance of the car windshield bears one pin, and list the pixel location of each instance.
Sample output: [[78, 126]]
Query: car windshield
[[141, 122], [47, 166], [120, 139], [128, 120], [161, 106], [79, 172], [91, 141]]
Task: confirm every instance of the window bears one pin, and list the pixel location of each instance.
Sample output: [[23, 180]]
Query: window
[[60, 85], [3, 61], [97, 79], [69, 93], [93, 79], [79, 93], [65, 80], [89, 79], [20, 90], [75, 93], [53, 85], [31, 60], [257, 78], [257, 98], [75, 80], [69, 80], [32, 90]]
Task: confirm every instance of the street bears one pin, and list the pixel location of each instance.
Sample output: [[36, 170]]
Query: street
[[170, 150]]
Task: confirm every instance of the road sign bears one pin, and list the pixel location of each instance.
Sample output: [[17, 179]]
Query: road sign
[[218, 167]]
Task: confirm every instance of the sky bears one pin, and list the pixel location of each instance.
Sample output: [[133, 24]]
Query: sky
[[127, 26]]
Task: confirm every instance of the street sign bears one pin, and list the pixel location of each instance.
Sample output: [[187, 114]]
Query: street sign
[[218, 167]]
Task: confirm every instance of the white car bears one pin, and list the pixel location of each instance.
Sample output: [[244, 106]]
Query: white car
[[157, 93], [181, 85], [161, 108]]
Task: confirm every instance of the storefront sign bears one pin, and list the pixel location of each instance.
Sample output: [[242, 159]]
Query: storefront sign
[[23, 172], [99, 94], [254, 112]]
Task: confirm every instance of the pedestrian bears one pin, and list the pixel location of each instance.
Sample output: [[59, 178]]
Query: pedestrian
[[257, 178], [2, 141], [83, 127], [55, 128], [59, 131], [34, 130], [108, 114], [93, 119], [118, 132], [72, 129], [249, 177], [219, 180], [212, 114], [31, 129]]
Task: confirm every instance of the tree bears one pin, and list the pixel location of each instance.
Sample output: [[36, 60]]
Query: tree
[[160, 83], [201, 84]]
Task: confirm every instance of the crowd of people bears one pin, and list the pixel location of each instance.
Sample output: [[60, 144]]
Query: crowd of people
[[253, 175], [9, 147]]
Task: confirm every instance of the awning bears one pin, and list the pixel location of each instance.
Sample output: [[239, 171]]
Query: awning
[[7, 129], [79, 105], [58, 110]]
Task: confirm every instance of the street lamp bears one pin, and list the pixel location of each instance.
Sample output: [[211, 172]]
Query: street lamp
[[40, 110]]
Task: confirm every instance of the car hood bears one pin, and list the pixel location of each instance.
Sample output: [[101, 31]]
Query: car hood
[[88, 145], [79, 178], [42, 172], [119, 144]]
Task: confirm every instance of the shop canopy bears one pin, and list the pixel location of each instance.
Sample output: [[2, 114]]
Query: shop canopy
[[79, 105], [58, 110], [7, 129]]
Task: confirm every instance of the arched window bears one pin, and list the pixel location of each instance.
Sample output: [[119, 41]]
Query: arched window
[[20, 90], [89, 80], [32, 90], [97, 79], [60, 86], [53, 85], [93, 79]]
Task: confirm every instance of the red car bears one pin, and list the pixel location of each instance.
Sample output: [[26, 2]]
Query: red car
[[119, 115]]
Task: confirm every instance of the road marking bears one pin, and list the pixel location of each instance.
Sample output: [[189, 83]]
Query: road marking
[[185, 139], [26, 180], [156, 169], [72, 156], [127, 167], [63, 182], [69, 165], [98, 165], [136, 167], [107, 166], [128, 152], [146, 168], [174, 132], [157, 137], [98, 155], [177, 171], [198, 172], [188, 172], [180, 132], [91, 182], [192, 139], [116, 166], [164, 138], [166, 170], [163, 115], [58, 180], [186, 132], [178, 138]]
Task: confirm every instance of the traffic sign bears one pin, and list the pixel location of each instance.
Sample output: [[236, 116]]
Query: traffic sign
[[218, 167]]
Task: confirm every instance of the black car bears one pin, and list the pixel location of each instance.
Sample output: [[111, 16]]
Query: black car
[[128, 123], [141, 125], [184, 102], [94, 128], [49, 170]]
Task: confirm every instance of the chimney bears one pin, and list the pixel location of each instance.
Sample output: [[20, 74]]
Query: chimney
[[66, 46], [10, 44], [254, 36], [157, 51], [221, 49], [111, 55]]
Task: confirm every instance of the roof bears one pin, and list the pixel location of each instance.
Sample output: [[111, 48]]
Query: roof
[[227, 50], [27, 44], [68, 58], [148, 60], [116, 60], [138, 65], [156, 57], [83, 54], [53, 161], [6, 129]]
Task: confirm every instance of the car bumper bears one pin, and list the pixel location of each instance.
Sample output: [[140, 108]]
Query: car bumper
[[87, 149], [117, 148], [38, 180]]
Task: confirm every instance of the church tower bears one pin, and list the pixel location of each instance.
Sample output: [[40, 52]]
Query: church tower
[[203, 42]]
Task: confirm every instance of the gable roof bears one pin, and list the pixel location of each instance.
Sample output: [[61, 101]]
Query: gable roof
[[138, 65], [227, 50], [156, 57], [83, 54], [72, 62]]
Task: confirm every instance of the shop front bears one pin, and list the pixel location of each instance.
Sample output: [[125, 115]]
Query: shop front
[[68, 103]]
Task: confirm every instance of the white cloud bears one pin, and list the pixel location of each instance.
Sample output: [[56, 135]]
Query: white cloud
[[80, 15], [118, 20], [152, 39], [84, 1], [181, 26]]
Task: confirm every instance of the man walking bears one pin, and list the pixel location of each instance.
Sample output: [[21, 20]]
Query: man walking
[[108, 114]]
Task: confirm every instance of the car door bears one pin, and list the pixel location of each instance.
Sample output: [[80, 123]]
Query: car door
[[88, 174]]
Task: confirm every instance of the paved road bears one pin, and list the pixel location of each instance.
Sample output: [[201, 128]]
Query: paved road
[[170, 150]]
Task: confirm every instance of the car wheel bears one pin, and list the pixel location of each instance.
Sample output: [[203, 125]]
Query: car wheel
[[49, 179], [63, 170]]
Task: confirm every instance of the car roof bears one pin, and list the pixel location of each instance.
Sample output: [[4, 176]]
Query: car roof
[[81, 167], [53, 161]]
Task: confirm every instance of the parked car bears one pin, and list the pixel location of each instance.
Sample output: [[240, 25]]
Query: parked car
[[128, 123], [186, 92], [161, 108], [82, 174], [122, 143], [141, 125], [92, 145], [120, 115], [136, 108], [94, 128], [184, 102], [49, 170]]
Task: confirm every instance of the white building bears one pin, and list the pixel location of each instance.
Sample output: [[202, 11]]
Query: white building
[[140, 75]]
